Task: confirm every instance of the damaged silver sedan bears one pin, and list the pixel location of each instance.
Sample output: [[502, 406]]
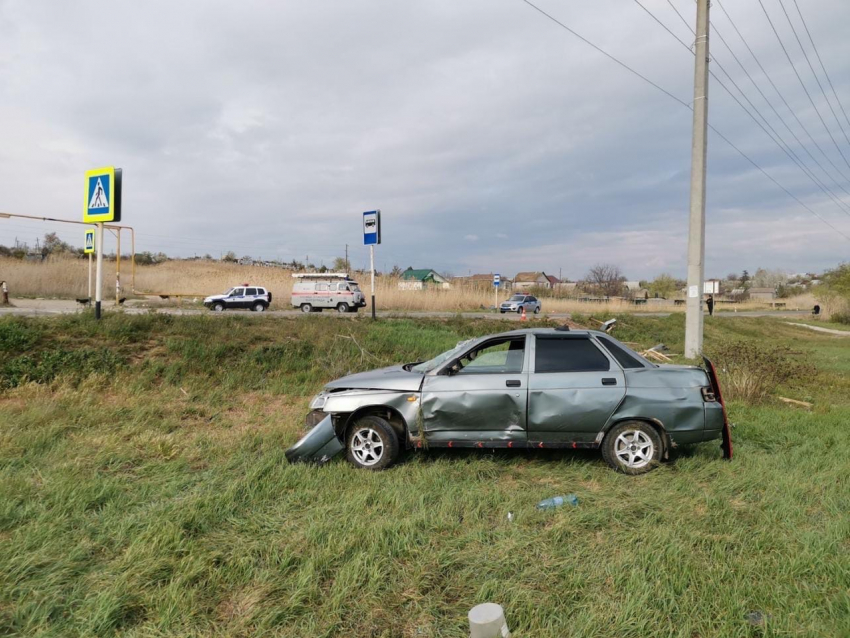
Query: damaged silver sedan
[[537, 388]]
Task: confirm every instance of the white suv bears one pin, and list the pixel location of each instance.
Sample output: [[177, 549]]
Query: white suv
[[256, 298]]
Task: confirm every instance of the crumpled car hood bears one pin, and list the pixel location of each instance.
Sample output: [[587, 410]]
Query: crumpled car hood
[[392, 378]]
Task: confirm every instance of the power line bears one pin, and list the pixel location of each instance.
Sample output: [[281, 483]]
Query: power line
[[686, 105], [806, 26], [781, 96], [803, 84], [806, 56], [775, 111], [772, 134]]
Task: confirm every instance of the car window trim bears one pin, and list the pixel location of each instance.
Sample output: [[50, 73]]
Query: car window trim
[[613, 364], [443, 370]]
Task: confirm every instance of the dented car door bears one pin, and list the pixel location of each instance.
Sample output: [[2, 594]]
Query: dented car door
[[481, 396], [573, 389]]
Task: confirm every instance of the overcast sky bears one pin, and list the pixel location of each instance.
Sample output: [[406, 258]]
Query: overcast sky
[[491, 139]]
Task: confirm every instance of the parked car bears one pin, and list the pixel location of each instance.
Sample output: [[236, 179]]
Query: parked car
[[538, 389], [313, 292], [257, 298], [519, 301]]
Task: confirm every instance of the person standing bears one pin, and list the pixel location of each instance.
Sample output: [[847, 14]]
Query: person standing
[[710, 304], [5, 290]]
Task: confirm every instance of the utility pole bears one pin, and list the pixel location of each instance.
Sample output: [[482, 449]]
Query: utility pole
[[347, 267], [696, 233]]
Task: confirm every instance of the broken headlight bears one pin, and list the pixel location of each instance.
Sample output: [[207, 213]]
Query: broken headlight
[[319, 401]]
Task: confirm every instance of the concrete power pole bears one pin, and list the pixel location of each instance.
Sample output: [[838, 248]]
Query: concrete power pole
[[696, 234]]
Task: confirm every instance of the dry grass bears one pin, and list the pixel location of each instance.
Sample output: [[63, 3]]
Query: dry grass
[[68, 278]]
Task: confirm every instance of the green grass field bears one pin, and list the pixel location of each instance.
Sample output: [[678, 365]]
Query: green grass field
[[144, 492]]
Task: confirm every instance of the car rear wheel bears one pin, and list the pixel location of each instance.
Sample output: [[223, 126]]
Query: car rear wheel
[[305, 307], [218, 307], [259, 307], [633, 447], [372, 444], [342, 307]]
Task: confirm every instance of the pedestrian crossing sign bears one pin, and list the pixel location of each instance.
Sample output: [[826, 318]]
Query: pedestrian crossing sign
[[103, 195], [89, 245]]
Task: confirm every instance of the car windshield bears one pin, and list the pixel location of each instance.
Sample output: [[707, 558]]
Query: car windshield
[[229, 292], [427, 366], [517, 298]]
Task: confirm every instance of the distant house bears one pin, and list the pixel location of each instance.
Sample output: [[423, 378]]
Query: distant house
[[534, 280], [632, 286], [762, 294], [421, 278]]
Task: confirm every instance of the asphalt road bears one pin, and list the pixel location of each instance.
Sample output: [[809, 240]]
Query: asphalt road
[[46, 307]]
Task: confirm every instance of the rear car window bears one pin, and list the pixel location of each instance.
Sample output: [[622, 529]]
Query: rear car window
[[623, 356], [559, 354], [251, 292]]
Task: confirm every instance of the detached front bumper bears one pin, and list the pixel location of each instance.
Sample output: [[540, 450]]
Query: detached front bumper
[[319, 445]]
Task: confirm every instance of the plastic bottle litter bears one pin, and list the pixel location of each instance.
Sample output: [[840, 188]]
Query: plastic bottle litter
[[557, 501]]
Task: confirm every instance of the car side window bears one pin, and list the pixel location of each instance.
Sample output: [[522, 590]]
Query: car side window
[[560, 354], [251, 292], [500, 356], [238, 292], [623, 357], [321, 287]]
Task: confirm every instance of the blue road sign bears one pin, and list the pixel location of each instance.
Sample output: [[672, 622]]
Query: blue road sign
[[103, 195], [372, 227], [497, 280], [89, 247]]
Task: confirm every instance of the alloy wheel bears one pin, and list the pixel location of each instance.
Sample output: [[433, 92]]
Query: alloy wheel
[[367, 446], [634, 449]]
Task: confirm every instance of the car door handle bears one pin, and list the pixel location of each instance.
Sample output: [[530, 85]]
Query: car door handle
[[513, 383], [609, 381]]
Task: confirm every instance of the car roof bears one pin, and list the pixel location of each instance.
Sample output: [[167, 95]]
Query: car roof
[[545, 331]]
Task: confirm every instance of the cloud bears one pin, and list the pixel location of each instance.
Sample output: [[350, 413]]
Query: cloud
[[455, 119]]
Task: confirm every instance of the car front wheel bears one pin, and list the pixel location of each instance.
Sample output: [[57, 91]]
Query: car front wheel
[[372, 444], [537, 310], [218, 307], [633, 447]]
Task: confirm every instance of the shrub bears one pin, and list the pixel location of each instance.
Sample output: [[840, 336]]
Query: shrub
[[752, 373]]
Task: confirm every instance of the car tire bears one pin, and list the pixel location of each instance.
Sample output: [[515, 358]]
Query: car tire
[[259, 307], [371, 444], [537, 310], [342, 308], [218, 307], [305, 307], [632, 447], [519, 310]]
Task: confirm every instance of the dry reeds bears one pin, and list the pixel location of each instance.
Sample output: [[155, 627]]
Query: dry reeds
[[67, 277]]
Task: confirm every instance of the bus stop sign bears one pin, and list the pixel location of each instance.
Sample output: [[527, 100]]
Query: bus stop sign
[[372, 227]]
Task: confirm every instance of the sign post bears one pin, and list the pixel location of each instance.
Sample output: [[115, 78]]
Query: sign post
[[371, 237], [101, 204], [88, 248], [497, 281]]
